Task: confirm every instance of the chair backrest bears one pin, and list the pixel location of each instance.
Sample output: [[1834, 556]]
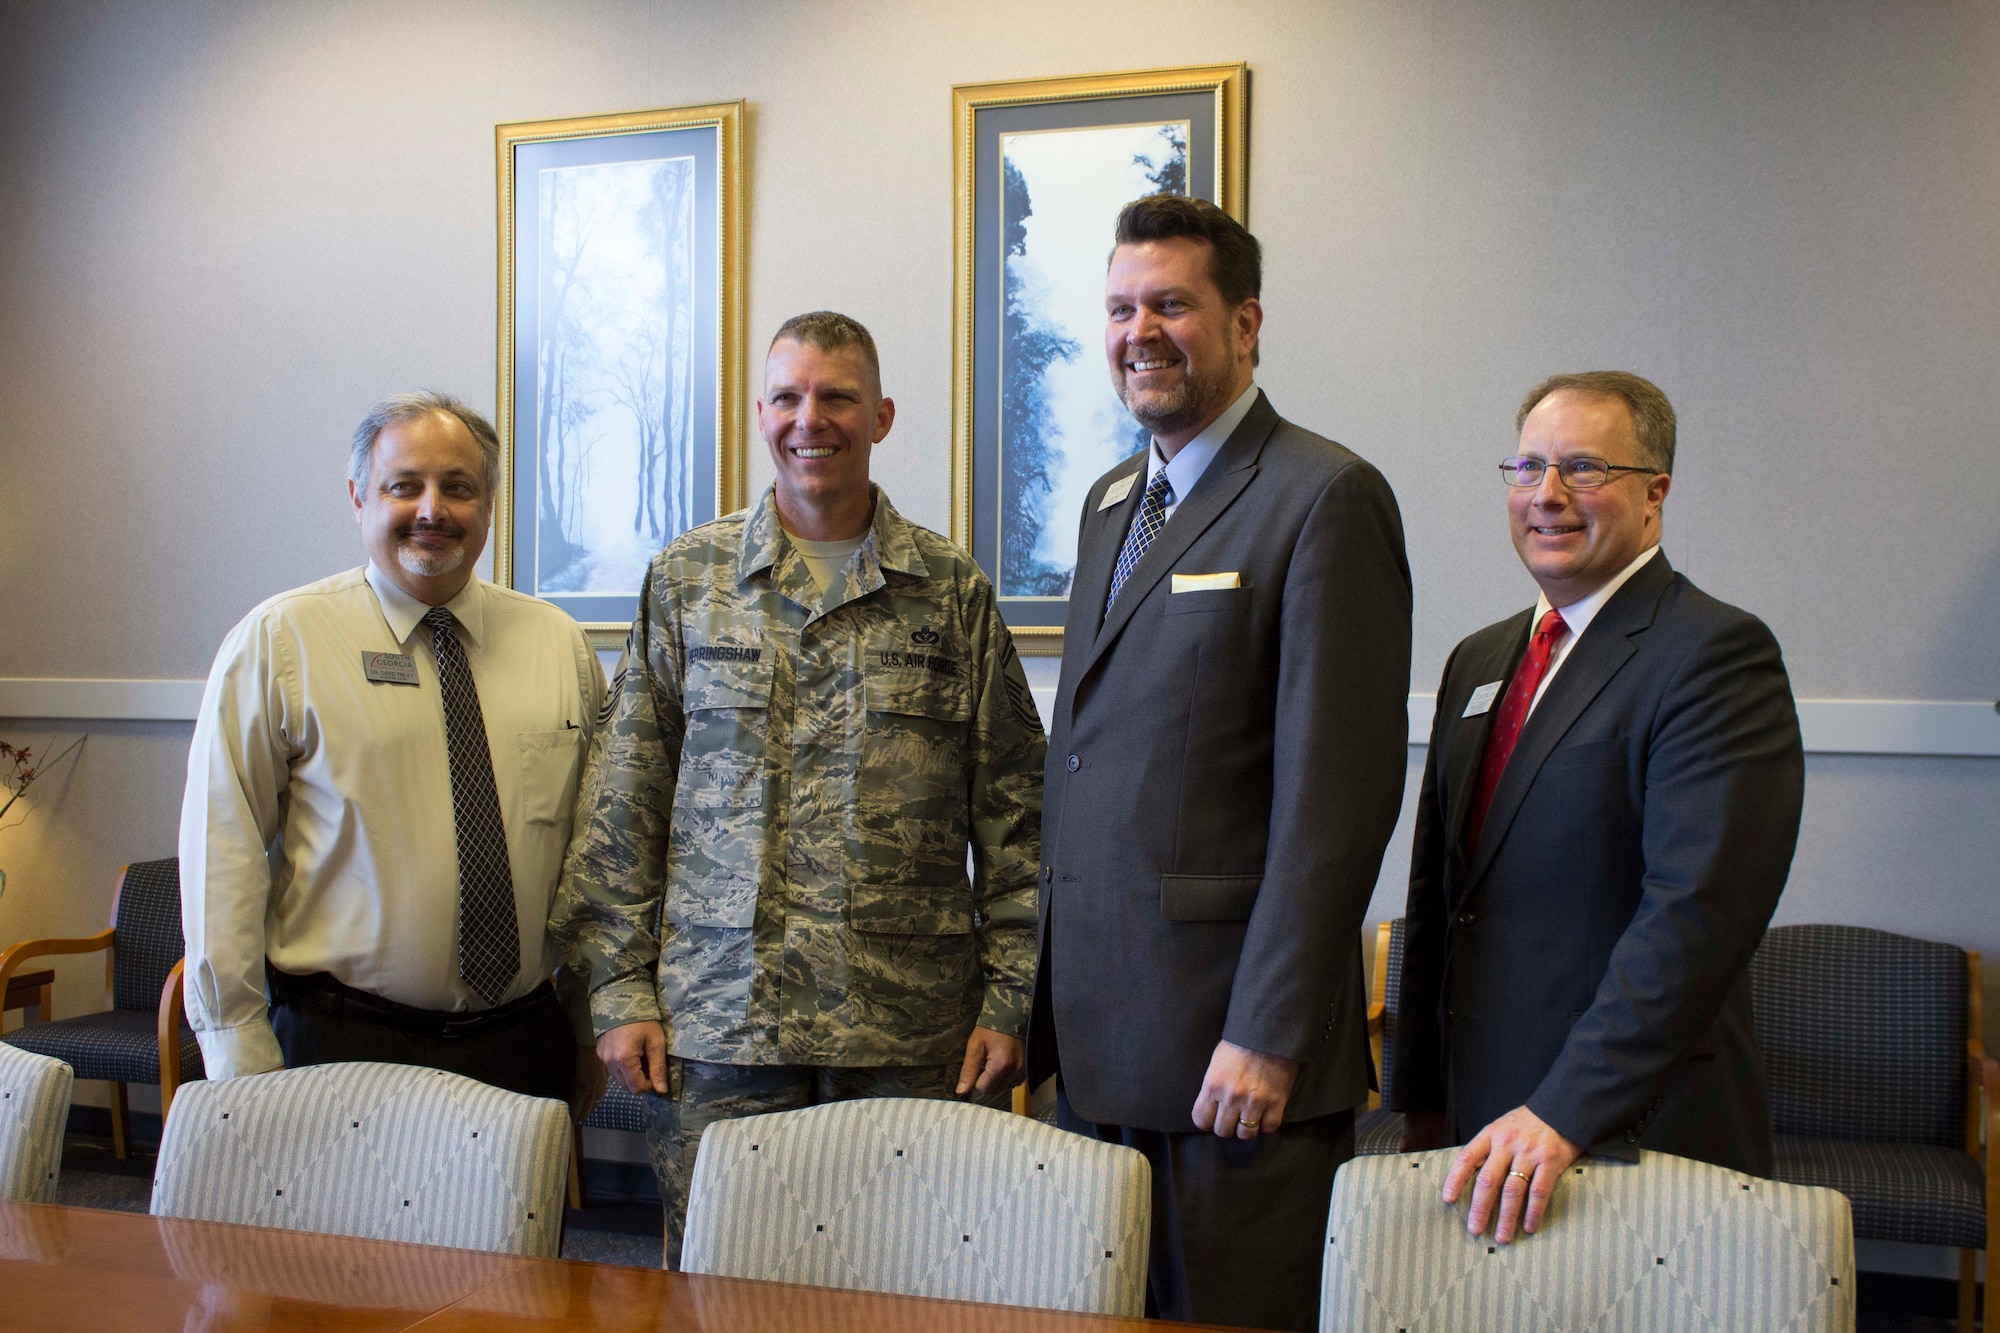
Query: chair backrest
[[1667, 1244], [923, 1198], [148, 941], [1388, 989], [1863, 1034], [34, 1107], [391, 1152]]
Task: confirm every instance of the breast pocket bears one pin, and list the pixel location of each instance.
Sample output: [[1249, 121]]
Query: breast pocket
[[715, 843], [907, 845], [549, 764], [1209, 601]]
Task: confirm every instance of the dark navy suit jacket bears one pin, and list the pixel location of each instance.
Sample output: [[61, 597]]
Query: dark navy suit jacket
[[1225, 768], [1589, 960]]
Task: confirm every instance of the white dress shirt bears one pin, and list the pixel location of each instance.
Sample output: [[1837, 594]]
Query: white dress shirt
[[1184, 469], [1578, 615], [317, 826]]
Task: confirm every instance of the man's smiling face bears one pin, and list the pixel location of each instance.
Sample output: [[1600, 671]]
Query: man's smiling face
[[1574, 542], [1179, 352], [821, 413]]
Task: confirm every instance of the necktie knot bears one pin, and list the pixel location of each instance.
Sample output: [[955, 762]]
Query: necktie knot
[[440, 618], [1553, 626]]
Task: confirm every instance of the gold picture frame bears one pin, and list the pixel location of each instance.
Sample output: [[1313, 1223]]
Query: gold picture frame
[[623, 386], [1104, 114]]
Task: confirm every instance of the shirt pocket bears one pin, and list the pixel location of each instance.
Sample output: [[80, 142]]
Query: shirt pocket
[[549, 764], [906, 866], [715, 844]]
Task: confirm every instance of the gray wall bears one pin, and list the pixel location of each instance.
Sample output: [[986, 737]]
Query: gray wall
[[226, 227]]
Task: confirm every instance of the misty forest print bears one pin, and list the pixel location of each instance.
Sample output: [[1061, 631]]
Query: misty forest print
[[1061, 424], [615, 372]]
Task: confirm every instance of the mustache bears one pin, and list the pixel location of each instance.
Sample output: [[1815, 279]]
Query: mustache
[[442, 529]]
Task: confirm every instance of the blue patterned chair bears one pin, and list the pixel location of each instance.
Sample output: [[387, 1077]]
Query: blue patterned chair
[[143, 1037], [1377, 1130], [1878, 1070]]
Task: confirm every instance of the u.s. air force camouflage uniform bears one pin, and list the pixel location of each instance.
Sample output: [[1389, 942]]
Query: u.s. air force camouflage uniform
[[771, 838]]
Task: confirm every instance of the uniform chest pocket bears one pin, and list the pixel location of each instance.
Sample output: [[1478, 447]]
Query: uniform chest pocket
[[728, 710], [549, 764], [907, 820]]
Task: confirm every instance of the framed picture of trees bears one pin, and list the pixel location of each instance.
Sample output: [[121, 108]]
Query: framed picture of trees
[[620, 402], [1040, 169]]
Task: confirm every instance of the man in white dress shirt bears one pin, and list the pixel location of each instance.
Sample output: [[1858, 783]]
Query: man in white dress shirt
[[379, 791]]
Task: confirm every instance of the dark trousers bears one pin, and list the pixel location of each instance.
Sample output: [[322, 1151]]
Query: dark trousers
[[527, 1047], [1238, 1226]]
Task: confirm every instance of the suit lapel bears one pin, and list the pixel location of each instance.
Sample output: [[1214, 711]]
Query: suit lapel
[[1597, 657], [1234, 465], [1467, 743], [1097, 553]]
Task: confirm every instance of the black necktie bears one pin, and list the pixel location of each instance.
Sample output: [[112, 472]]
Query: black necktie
[[489, 939]]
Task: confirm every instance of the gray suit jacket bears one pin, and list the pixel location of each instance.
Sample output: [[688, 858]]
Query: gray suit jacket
[[1589, 959], [1225, 767]]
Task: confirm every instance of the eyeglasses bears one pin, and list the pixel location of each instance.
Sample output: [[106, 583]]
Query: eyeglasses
[[1580, 472]]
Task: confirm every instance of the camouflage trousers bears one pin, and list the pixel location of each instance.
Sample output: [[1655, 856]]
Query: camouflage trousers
[[700, 1094]]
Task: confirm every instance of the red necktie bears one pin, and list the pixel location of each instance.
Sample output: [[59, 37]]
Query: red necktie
[[1507, 722]]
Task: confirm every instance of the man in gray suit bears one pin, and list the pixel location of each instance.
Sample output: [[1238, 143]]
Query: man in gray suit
[[1225, 767]]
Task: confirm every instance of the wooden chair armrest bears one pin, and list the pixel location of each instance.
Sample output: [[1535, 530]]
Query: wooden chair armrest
[[1375, 1011], [170, 1037], [10, 961], [1984, 1073]]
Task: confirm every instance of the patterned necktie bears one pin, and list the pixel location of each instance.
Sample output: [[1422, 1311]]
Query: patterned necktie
[[489, 939], [1508, 721], [1152, 517]]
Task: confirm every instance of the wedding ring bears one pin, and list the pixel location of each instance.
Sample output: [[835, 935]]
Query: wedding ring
[[1522, 1174], [1246, 1124]]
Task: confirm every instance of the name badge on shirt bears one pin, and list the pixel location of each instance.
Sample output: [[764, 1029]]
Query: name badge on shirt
[[1482, 698], [1117, 491], [390, 668]]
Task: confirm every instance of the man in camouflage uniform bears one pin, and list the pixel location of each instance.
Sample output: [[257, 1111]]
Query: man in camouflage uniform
[[818, 711]]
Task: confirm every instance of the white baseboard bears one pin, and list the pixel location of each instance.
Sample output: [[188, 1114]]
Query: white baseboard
[[1831, 726]]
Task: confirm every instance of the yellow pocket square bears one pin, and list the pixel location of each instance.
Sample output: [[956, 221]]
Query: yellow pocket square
[[1204, 582]]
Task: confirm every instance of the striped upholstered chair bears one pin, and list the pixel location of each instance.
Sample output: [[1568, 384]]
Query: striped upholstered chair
[[1664, 1246], [1378, 1130], [1880, 1082], [390, 1152], [923, 1198], [34, 1103], [144, 1036]]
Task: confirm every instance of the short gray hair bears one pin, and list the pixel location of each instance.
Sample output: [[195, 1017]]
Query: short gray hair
[[829, 331], [410, 406]]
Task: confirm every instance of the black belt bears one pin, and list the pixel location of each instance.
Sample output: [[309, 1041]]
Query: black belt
[[322, 991]]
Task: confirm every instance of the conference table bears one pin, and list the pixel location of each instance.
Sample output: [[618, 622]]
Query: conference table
[[69, 1268]]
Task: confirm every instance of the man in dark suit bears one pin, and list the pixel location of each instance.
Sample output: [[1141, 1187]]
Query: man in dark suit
[[1226, 763], [1608, 814]]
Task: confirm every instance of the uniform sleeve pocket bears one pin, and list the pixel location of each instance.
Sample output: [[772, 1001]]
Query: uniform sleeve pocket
[[1208, 897], [549, 763]]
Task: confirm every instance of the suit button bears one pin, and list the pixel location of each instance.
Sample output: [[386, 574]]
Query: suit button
[[1467, 918], [1048, 874], [1631, 1137], [1074, 763]]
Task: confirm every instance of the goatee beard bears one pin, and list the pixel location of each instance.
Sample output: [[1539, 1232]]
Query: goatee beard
[[427, 564], [1187, 404]]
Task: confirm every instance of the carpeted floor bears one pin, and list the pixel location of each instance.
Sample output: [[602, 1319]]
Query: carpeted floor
[[605, 1233]]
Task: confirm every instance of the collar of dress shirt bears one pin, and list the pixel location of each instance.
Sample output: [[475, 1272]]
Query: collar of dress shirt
[[1184, 469], [1578, 614], [404, 612]]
